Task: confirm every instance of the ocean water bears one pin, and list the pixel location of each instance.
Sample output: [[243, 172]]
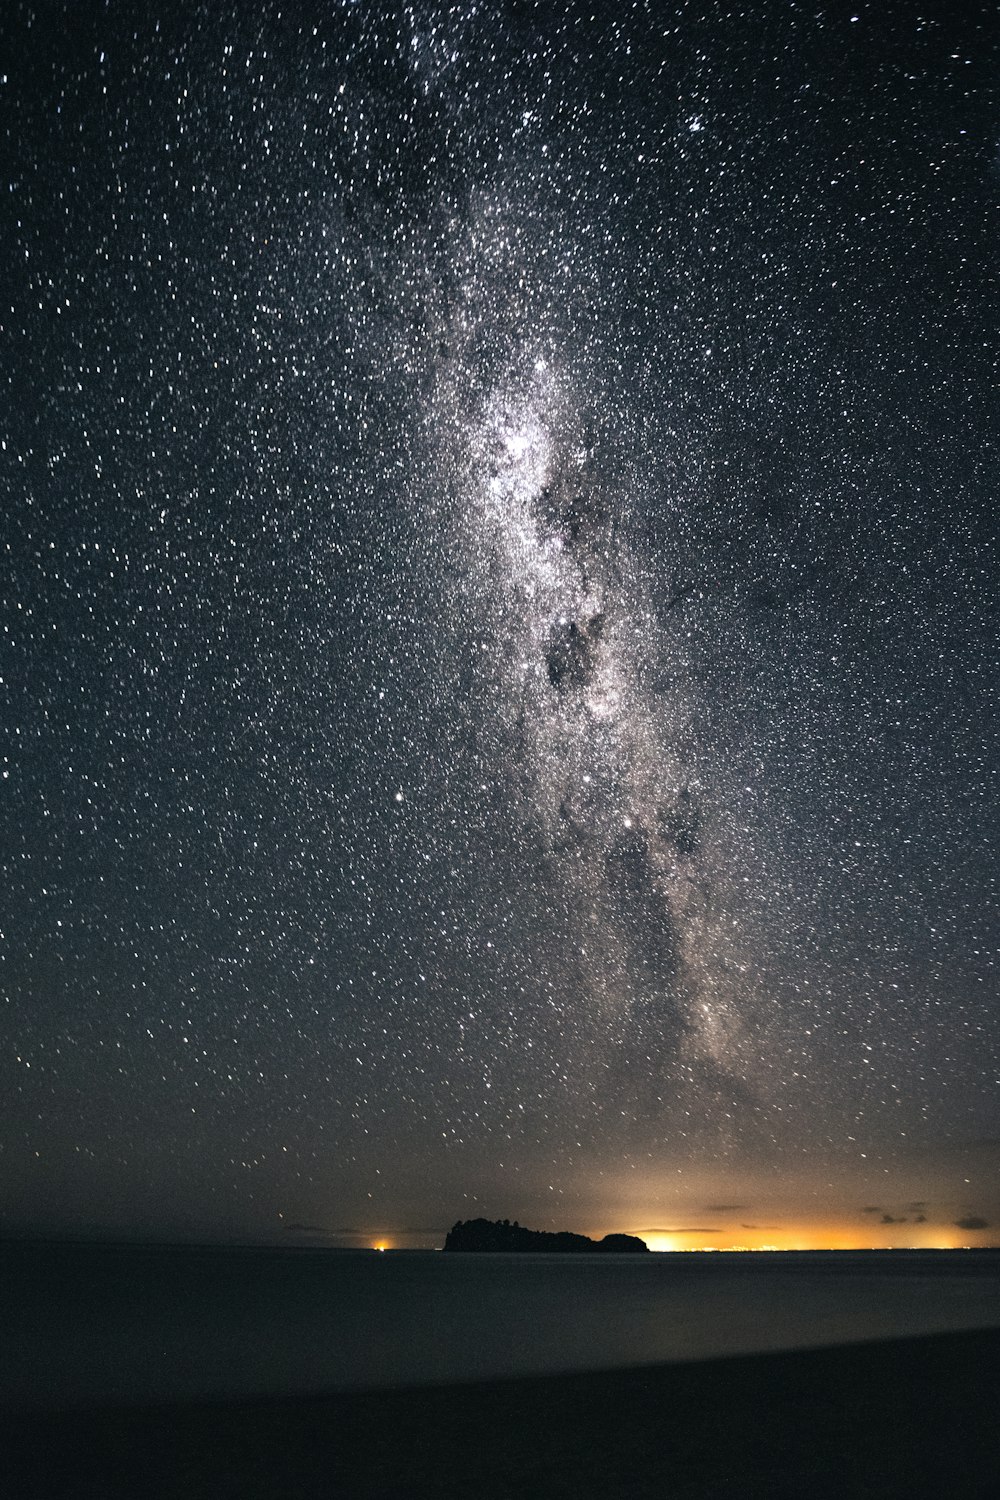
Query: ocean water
[[89, 1324]]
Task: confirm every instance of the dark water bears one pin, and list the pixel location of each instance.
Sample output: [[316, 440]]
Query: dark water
[[85, 1324]]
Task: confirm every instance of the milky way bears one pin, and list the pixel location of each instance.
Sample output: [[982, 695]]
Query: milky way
[[500, 672], [612, 765]]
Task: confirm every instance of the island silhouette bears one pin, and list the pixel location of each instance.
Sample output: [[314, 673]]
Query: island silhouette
[[501, 1234]]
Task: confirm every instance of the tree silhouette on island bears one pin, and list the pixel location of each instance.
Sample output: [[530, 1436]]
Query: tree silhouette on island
[[501, 1234]]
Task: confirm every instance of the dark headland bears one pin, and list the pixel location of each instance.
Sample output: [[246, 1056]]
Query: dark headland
[[501, 1234]]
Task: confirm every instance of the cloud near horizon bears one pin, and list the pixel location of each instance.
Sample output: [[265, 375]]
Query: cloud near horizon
[[389, 1232], [677, 1231]]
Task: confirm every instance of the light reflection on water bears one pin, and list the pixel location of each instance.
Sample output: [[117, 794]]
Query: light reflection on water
[[88, 1324]]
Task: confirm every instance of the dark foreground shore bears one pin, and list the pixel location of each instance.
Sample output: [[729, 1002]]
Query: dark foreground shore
[[913, 1417]]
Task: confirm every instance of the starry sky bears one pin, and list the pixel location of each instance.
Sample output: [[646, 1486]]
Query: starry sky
[[499, 669]]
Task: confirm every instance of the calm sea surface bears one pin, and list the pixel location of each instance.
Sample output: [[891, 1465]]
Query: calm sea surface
[[82, 1324]]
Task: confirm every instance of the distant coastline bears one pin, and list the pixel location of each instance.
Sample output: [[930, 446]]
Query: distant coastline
[[502, 1235]]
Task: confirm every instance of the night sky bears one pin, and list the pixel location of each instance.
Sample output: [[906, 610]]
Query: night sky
[[500, 608]]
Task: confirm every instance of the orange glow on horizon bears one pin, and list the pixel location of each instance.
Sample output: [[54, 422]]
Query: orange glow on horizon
[[836, 1236], [794, 1234]]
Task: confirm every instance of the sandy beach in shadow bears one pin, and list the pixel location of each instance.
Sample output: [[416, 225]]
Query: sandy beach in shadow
[[914, 1417]]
